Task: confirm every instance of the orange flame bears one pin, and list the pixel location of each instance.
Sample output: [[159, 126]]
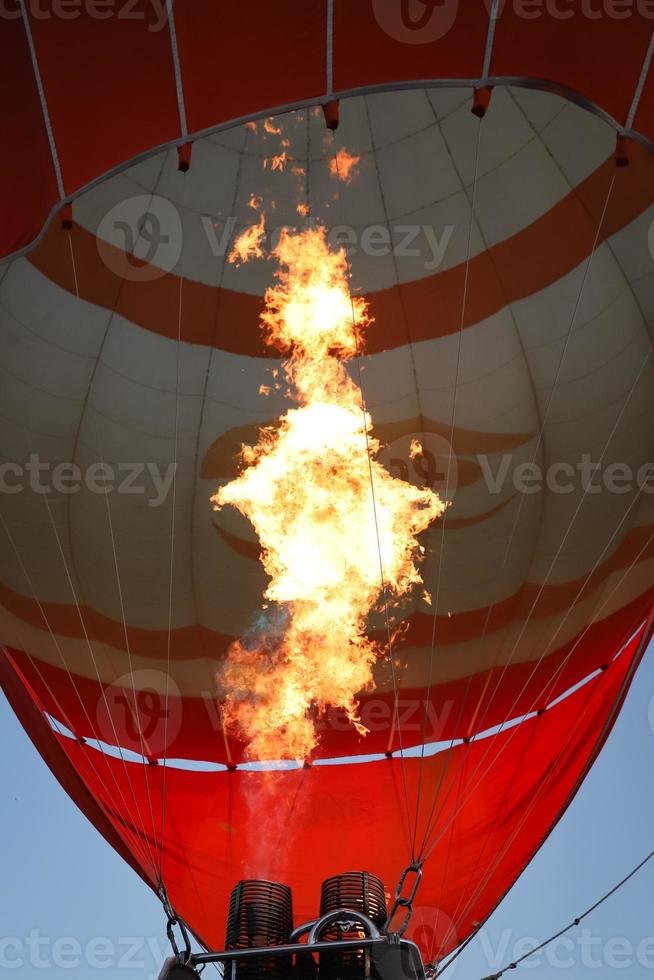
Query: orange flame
[[343, 166], [248, 244], [327, 541], [277, 162], [415, 448]]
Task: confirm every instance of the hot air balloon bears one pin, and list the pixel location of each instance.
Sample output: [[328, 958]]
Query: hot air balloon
[[487, 172]]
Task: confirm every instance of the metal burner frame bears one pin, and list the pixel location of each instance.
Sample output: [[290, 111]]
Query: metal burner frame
[[373, 940]]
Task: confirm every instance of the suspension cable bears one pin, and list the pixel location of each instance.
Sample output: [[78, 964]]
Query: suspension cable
[[464, 299], [572, 925], [171, 568], [143, 833], [430, 822], [539, 439], [142, 842], [384, 589], [550, 685], [646, 635], [458, 809]]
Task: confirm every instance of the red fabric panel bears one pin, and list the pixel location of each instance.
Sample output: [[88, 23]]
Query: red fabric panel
[[28, 186], [598, 56], [453, 709], [243, 58], [109, 83], [374, 45], [495, 801]]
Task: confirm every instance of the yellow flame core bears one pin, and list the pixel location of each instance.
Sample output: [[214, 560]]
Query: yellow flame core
[[307, 488]]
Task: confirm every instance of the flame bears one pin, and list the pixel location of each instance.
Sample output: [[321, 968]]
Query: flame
[[277, 162], [270, 127], [334, 552], [343, 166], [248, 244]]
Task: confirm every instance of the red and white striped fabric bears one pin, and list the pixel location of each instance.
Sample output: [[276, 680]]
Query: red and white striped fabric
[[508, 268]]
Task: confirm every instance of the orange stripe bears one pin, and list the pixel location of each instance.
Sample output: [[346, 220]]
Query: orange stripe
[[550, 600], [221, 460], [189, 642], [247, 548], [525, 263]]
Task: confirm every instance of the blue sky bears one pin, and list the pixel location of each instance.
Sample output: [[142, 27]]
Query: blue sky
[[70, 908]]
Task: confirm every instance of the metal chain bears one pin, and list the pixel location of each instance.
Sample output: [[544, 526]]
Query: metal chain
[[174, 920], [405, 902]]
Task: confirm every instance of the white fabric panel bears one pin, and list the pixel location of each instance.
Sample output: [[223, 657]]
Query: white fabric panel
[[80, 384]]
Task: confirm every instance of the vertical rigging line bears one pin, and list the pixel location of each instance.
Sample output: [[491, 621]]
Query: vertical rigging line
[[539, 440], [72, 261], [75, 689], [171, 575], [398, 285], [384, 591], [36, 668], [597, 563], [506, 844], [145, 750], [87, 638], [460, 914], [170, 585], [492, 739], [612, 433], [548, 683], [136, 718], [646, 635], [215, 329], [85, 631], [540, 788], [464, 298], [541, 429]]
